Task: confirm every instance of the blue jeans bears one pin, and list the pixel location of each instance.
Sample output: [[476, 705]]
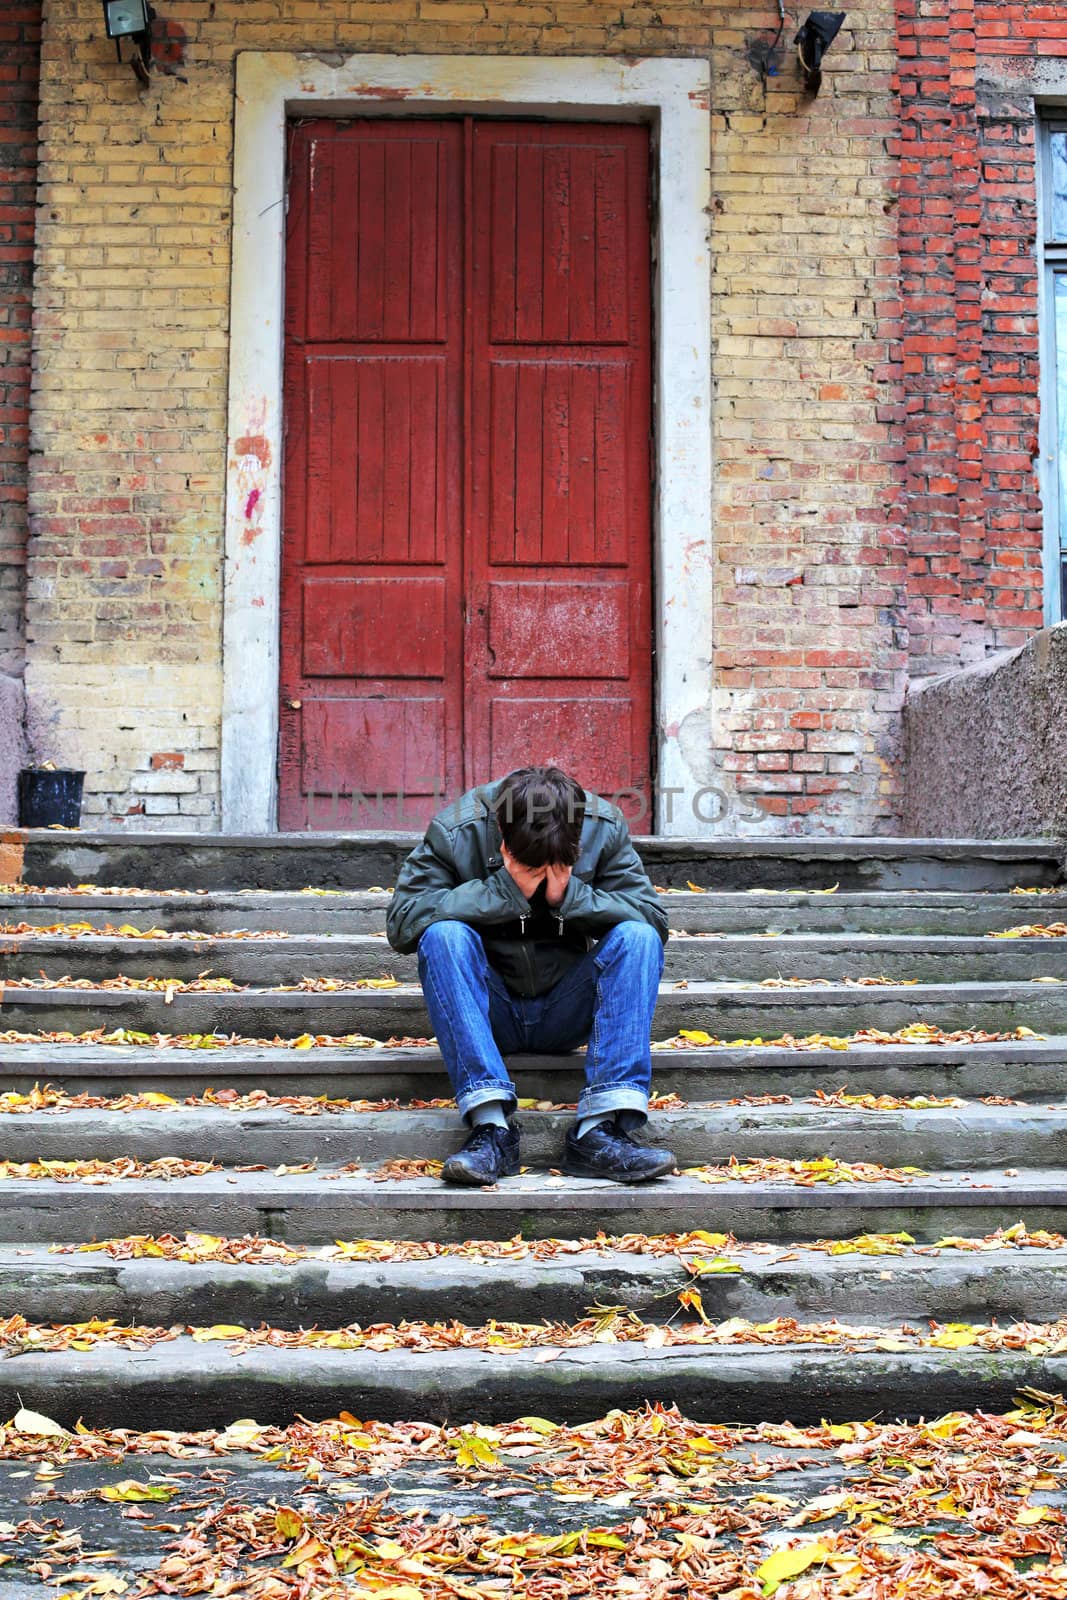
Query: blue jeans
[[606, 1000]]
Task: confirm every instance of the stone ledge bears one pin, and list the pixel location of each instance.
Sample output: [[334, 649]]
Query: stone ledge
[[985, 747]]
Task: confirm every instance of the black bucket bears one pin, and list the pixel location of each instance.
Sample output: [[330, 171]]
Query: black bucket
[[47, 797]]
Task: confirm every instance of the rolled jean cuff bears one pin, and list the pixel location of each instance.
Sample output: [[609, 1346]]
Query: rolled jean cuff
[[598, 1102], [484, 1094]]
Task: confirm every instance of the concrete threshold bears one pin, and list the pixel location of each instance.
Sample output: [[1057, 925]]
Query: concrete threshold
[[354, 860], [1031, 1068], [744, 958], [947, 1286], [941, 1136], [357, 911], [325, 1205], [189, 1385], [723, 1009]]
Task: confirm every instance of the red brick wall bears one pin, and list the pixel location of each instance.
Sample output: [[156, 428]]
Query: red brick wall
[[969, 338], [20, 32]]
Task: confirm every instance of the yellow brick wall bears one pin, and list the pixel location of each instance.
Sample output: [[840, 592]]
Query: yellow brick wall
[[124, 616]]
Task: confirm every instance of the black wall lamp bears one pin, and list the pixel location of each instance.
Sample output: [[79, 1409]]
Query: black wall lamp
[[131, 19], [813, 41]]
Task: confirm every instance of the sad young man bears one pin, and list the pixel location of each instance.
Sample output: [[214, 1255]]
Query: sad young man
[[537, 931]]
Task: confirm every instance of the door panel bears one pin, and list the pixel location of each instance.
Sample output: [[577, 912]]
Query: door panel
[[391, 743], [579, 733], [371, 706], [559, 630], [560, 536], [467, 550], [557, 462], [350, 627]]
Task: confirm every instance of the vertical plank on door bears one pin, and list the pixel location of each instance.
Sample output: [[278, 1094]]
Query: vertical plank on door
[[559, 650], [371, 691]]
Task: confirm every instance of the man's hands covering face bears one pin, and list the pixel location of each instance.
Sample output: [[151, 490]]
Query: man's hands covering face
[[527, 879], [557, 879]]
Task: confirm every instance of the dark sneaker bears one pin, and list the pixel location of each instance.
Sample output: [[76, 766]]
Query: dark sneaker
[[607, 1152], [489, 1153]]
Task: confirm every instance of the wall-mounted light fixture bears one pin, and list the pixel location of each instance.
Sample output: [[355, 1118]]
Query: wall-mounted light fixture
[[813, 41], [131, 19]]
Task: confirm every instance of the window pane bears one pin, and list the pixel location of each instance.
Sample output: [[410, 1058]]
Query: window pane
[[1058, 166]]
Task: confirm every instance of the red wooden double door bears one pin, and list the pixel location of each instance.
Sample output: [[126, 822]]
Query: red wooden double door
[[466, 573]]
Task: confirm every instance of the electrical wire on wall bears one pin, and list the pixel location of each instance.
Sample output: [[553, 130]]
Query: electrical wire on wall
[[764, 54]]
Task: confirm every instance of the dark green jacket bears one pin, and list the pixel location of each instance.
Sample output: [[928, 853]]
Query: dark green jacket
[[457, 874]]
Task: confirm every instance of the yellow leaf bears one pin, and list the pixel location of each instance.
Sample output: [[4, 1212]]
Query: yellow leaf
[[695, 1036], [304, 1041], [957, 1336], [130, 1490], [152, 1097], [1031, 1514], [390, 1550], [288, 1524], [720, 1264], [221, 1330], [538, 1424], [690, 1298], [240, 1434], [308, 1550], [945, 1427], [695, 887], [33, 1422], [471, 1451], [785, 1564]]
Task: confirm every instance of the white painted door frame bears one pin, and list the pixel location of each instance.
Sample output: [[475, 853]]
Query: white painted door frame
[[671, 94]]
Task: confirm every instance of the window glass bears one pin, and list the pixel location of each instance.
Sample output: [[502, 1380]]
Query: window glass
[[1058, 170]]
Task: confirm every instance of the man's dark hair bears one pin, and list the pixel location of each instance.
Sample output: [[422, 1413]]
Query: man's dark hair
[[540, 811]]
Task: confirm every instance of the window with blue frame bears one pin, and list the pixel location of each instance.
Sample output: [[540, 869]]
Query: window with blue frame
[[1053, 246]]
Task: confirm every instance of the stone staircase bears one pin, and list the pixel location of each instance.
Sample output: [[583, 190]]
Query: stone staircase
[[916, 914]]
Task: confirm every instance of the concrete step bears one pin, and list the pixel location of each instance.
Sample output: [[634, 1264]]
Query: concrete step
[[1033, 1069], [723, 1010], [183, 1384], [950, 1286], [911, 911], [740, 957], [326, 1205], [947, 1137], [358, 860]]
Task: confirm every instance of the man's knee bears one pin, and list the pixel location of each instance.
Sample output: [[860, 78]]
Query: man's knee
[[640, 938], [449, 941]]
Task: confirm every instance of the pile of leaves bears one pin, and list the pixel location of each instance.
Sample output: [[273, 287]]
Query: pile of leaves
[[878, 981], [960, 1505], [1032, 930], [402, 1169], [878, 1102], [605, 1325], [93, 1171], [915, 1033], [212, 1041], [690, 1248], [804, 1174], [125, 930], [119, 891], [202, 984], [52, 1101]]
